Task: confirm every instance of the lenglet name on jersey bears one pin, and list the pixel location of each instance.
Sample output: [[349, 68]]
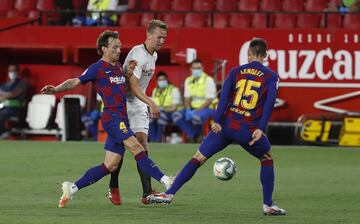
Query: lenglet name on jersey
[[241, 112], [251, 71]]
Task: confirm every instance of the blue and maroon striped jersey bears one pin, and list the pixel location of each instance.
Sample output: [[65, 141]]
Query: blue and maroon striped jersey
[[248, 96], [110, 83]]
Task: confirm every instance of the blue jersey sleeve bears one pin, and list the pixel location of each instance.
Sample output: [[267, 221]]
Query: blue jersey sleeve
[[225, 96], [89, 74], [271, 86]]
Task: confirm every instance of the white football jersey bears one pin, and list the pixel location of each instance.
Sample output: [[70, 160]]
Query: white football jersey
[[143, 71]]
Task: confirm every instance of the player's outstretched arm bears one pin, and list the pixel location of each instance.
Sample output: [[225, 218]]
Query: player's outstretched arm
[[67, 85]]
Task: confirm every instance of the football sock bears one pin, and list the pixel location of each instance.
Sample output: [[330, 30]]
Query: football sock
[[185, 174], [92, 175], [114, 176], [145, 180], [148, 166], [267, 180]]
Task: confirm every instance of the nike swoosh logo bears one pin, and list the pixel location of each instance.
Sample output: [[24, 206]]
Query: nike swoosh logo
[[107, 72]]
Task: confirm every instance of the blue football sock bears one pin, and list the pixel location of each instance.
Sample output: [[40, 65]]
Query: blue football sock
[[185, 175], [148, 166], [267, 180], [92, 175]]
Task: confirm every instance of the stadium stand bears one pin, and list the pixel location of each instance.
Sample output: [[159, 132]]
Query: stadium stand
[[145, 18], [315, 5], [173, 19], [352, 21], [5, 6], [285, 20], [331, 20]]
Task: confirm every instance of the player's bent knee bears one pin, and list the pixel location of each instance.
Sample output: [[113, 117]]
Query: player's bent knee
[[200, 157], [266, 156]]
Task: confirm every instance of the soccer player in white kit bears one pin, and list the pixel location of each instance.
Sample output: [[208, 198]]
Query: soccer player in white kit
[[137, 109]]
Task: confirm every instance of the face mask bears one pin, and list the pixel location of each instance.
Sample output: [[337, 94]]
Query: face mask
[[196, 73], [162, 84], [12, 75]]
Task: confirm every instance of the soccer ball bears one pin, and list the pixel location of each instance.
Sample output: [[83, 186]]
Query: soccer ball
[[224, 168]]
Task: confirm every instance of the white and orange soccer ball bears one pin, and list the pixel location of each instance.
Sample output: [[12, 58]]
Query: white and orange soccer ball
[[224, 168]]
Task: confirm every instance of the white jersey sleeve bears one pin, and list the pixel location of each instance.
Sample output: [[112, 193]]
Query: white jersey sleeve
[[140, 57], [210, 89], [176, 96]]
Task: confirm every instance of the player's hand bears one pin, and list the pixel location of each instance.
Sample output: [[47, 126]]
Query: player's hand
[[130, 67], [154, 111], [256, 135], [48, 89], [215, 127]]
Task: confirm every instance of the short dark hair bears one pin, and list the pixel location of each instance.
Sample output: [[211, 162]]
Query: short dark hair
[[196, 61], [161, 73], [156, 23], [103, 40], [16, 65], [258, 47]]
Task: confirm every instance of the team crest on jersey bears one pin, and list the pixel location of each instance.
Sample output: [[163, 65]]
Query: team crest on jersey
[[123, 127], [118, 80]]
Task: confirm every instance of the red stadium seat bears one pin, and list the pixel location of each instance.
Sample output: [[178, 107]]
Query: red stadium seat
[[248, 5], [315, 5], [226, 5], [270, 5], [285, 20], [293, 5], [173, 20], [308, 20], [129, 19], [80, 4], [196, 20], [351, 21], [138, 4], [333, 3], [240, 20], [259, 20], [25, 5], [44, 5], [203, 5], [159, 5], [181, 5], [221, 20], [332, 21], [6, 5], [145, 19]]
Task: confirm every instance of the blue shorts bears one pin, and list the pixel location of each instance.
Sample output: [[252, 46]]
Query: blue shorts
[[214, 143], [118, 130]]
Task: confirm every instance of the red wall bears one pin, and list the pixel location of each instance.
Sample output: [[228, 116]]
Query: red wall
[[301, 57]]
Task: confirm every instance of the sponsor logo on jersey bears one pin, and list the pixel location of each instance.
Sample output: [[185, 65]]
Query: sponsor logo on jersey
[[117, 79]]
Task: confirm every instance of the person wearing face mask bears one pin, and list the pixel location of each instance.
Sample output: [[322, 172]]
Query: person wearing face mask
[[12, 97], [167, 97], [199, 96]]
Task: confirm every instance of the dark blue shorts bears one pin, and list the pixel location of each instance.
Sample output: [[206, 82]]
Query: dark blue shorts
[[118, 130], [214, 143]]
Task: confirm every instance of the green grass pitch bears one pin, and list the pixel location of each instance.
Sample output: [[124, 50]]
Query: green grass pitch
[[315, 185]]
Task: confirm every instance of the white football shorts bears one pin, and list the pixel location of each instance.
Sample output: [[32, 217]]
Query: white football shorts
[[138, 118]]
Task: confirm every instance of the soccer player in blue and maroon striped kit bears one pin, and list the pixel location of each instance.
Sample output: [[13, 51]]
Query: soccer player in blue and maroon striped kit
[[109, 80], [246, 102]]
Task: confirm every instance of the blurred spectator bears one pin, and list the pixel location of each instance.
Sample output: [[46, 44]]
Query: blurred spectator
[[94, 18], [90, 119], [345, 6], [199, 94], [167, 97], [66, 12], [12, 98]]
